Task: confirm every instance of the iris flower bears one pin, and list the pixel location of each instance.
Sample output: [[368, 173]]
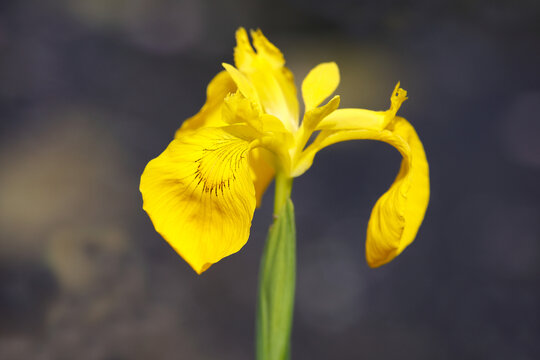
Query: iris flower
[[202, 191]]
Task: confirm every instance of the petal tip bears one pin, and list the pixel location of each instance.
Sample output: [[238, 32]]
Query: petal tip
[[199, 270], [241, 34], [399, 95], [375, 262]]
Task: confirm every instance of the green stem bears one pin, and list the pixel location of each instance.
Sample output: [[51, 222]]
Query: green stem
[[282, 192], [277, 279]]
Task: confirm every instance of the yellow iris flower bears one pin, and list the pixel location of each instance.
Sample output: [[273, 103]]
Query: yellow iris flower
[[201, 192]]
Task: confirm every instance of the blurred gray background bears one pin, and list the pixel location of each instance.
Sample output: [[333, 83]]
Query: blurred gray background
[[90, 91]]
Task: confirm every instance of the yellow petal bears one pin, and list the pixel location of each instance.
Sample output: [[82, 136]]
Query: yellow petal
[[311, 119], [350, 119], [274, 83], [398, 214], [399, 95], [314, 116], [319, 84], [347, 119], [266, 49], [244, 107], [243, 52], [238, 109], [200, 196], [283, 76], [210, 114]]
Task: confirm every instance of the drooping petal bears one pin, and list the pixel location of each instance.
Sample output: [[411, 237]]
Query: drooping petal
[[319, 84], [265, 70], [210, 114], [398, 214], [200, 195]]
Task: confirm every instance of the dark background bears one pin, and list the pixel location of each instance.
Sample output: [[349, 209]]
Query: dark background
[[90, 91]]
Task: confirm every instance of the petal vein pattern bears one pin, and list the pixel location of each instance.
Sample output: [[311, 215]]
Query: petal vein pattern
[[200, 195]]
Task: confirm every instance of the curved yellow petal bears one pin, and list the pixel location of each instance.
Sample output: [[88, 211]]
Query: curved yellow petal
[[398, 214], [265, 70], [319, 84], [210, 114], [200, 195]]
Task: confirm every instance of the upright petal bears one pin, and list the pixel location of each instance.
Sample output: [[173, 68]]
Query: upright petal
[[210, 114], [319, 84], [200, 196], [265, 70], [267, 50]]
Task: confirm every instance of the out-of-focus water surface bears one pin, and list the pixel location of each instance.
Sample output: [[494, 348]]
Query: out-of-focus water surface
[[90, 91]]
